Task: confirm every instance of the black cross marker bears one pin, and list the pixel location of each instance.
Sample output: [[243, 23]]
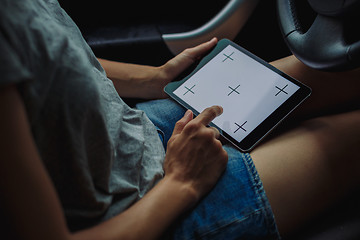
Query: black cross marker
[[281, 90], [228, 57], [189, 90], [240, 127], [234, 90]]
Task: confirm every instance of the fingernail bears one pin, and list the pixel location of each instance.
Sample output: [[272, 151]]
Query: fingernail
[[188, 113]]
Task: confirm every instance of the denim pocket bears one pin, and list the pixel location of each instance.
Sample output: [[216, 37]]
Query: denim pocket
[[161, 136]]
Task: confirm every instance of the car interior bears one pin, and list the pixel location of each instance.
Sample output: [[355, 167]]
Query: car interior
[[322, 34]]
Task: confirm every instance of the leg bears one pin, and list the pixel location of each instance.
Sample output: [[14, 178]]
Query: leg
[[310, 167], [331, 92], [164, 113], [237, 207]]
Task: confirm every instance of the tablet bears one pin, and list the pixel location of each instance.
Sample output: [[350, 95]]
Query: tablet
[[254, 95]]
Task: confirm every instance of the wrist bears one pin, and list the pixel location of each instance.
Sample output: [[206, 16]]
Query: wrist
[[184, 192]]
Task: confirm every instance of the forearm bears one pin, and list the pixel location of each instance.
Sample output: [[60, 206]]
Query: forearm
[[148, 218], [330, 91], [130, 80]]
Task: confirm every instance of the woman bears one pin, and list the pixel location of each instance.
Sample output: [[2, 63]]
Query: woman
[[78, 163]]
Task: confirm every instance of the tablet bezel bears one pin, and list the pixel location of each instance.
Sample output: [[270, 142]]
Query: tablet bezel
[[265, 127]]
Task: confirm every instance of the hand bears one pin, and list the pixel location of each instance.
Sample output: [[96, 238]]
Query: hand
[[195, 156], [174, 67]]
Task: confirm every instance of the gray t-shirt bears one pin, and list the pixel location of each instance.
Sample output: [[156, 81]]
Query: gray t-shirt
[[102, 155]]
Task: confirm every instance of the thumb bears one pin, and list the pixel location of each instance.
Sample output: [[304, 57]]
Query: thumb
[[179, 126], [186, 58]]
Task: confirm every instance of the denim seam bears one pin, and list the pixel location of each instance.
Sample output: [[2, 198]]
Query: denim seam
[[234, 220], [262, 200]]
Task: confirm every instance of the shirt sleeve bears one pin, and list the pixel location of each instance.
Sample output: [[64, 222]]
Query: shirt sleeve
[[12, 70]]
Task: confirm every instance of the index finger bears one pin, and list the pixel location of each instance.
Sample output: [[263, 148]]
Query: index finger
[[209, 114]]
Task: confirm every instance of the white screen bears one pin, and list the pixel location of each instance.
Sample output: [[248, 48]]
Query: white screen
[[247, 90]]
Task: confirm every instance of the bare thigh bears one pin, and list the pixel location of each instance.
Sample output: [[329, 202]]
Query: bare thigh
[[308, 168]]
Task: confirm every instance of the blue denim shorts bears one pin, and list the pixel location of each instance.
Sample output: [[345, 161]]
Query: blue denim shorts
[[237, 207]]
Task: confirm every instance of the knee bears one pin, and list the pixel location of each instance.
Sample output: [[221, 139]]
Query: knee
[[337, 139]]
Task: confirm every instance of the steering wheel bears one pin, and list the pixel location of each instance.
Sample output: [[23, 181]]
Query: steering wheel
[[328, 44]]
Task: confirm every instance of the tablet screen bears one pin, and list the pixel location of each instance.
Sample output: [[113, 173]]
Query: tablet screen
[[248, 91]]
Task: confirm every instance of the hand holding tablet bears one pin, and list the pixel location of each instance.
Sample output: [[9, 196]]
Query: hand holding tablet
[[254, 95]]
